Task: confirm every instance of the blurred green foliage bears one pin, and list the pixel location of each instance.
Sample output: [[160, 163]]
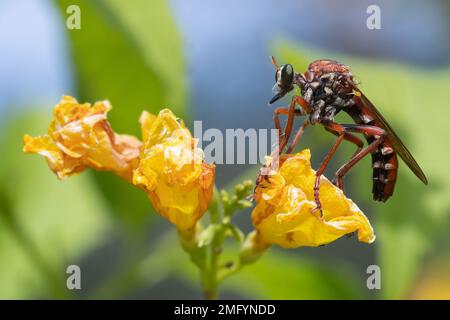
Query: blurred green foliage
[[120, 54], [44, 223], [277, 275], [132, 56]]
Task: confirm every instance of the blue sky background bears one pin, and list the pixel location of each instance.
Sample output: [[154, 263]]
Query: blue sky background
[[34, 62], [227, 44]]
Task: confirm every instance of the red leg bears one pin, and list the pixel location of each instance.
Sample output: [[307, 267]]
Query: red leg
[[322, 168], [291, 112], [343, 170], [298, 136], [351, 138], [276, 120], [340, 130], [277, 152], [282, 138], [356, 141]]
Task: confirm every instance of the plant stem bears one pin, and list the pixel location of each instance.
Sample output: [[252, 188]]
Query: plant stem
[[204, 245], [210, 278], [211, 283]]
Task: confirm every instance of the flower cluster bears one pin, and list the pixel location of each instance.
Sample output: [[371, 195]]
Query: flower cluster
[[168, 165]]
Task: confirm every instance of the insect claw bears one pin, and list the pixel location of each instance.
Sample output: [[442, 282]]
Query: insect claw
[[318, 207], [338, 182], [261, 177]]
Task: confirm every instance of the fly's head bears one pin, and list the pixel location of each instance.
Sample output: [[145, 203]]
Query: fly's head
[[285, 79]]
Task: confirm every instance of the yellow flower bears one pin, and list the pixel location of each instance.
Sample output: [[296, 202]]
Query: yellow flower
[[172, 170], [284, 212], [80, 136]]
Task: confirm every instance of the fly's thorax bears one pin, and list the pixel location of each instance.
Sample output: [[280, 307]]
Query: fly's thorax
[[327, 95]]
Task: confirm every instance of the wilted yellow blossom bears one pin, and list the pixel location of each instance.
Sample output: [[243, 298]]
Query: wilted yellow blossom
[[80, 136], [172, 170], [284, 212]]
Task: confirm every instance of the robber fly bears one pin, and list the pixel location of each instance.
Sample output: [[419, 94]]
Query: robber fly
[[327, 88]]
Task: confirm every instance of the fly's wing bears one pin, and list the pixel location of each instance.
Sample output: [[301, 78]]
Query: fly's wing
[[399, 147]]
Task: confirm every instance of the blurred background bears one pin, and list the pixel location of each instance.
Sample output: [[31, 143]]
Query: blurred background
[[209, 61]]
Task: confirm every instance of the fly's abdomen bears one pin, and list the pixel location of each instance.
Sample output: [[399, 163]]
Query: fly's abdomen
[[385, 166], [384, 158]]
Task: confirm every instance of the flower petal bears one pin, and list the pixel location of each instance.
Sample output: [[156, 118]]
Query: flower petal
[[80, 137], [285, 215], [172, 170]]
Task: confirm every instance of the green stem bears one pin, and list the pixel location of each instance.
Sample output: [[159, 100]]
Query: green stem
[[205, 245], [209, 276], [210, 280]]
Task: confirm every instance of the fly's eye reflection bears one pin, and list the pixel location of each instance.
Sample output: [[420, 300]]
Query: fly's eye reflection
[[286, 76]]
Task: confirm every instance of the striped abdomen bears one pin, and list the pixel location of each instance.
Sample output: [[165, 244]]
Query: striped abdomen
[[384, 159], [385, 165]]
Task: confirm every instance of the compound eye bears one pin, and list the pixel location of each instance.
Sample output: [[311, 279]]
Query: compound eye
[[287, 75]]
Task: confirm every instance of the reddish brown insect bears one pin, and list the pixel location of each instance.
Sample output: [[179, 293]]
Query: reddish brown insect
[[327, 88]]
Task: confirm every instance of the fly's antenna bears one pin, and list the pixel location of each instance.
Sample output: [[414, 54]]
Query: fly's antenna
[[274, 62]]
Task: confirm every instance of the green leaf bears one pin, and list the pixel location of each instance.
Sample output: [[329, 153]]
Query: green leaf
[[151, 28], [45, 224], [409, 225], [121, 54], [280, 275], [132, 56]]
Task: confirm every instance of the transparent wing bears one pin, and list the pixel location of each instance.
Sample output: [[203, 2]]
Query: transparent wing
[[399, 147]]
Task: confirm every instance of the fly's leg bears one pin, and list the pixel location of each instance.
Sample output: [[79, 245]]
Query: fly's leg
[[380, 135], [322, 168], [282, 134], [356, 141], [290, 112], [283, 137], [350, 138], [298, 136], [341, 130], [277, 152]]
